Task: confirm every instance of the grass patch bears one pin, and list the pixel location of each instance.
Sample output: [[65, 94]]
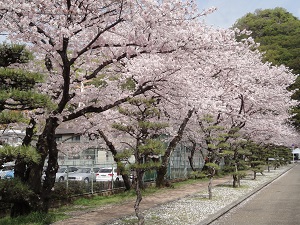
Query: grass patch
[[129, 221], [104, 200], [32, 219], [189, 181]]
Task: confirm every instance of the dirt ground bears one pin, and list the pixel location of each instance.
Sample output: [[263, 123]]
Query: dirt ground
[[105, 214]]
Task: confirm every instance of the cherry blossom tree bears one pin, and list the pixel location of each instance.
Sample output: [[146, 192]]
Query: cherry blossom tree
[[97, 55], [89, 43], [244, 92], [221, 77]]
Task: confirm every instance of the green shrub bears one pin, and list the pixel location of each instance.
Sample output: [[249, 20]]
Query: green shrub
[[35, 218], [197, 175]]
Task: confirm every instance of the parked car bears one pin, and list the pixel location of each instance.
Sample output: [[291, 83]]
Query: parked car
[[85, 174], [7, 172], [63, 172], [107, 174]]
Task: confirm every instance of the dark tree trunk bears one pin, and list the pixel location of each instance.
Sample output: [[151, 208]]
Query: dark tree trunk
[[162, 170], [127, 182], [52, 166], [21, 171], [138, 188], [235, 180], [191, 157], [114, 152], [160, 179], [46, 146]]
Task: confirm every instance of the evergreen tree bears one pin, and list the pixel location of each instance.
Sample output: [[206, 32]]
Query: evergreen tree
[[17, 97], [278, 33], [235, 163], [143, 129]]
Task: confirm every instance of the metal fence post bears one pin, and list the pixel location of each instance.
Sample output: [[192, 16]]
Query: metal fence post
[[93, 174], [67, 181]]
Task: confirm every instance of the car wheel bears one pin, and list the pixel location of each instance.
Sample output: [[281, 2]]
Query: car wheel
[[61, 179], [86, 180]]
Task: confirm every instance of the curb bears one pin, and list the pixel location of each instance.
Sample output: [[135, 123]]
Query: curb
[[226, 209]]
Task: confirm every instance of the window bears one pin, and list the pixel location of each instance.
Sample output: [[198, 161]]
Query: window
[[58, 137], [89, 153], [75, 138]]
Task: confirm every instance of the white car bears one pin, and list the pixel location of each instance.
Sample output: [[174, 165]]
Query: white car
[[85, 174], [107, 174]]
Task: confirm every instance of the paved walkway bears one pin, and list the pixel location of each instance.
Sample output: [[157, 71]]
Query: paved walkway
[[276, 204], [103, 215]]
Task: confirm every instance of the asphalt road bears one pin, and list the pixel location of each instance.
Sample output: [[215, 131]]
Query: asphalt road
[[276, 204]]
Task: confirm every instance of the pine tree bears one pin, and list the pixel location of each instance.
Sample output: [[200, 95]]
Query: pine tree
[[143, 126], [17, 97]]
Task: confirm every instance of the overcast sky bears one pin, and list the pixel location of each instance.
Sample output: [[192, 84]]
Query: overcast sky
[[228, 11]]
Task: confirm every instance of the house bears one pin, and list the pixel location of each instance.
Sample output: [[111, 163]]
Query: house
[[76, 149], [12, 137]]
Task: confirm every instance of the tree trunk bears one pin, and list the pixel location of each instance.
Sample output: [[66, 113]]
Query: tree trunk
[[235, 180], [46, 145], [127, 182], [210, 187], [21, 171], [52, 166], [191, 157], [236, 177], [212, 173], [162, 170], [114, 152], [160, 179], [139, 215]]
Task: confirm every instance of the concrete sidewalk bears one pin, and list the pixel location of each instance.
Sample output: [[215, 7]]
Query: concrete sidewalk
[[276, 202]]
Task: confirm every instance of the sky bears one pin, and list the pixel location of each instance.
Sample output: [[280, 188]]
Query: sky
[[228, 11]]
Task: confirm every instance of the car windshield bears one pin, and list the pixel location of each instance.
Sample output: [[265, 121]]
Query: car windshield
[[105, 170], [83, 170]]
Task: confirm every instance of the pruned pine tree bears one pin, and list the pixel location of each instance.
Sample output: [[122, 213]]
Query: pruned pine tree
[[216, 141], [256, 158], [215, 138], [17, 97], [143, 129], [234, 158]]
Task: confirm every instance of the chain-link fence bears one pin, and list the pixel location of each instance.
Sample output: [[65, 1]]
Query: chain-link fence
[[93, 181]]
